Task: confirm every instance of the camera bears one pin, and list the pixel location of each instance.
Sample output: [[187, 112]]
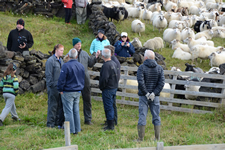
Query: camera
[[22, 40]]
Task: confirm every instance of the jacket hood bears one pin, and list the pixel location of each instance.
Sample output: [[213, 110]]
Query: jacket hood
[[150, 63]]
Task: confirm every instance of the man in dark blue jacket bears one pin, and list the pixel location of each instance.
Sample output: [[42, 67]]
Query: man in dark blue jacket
[[108, 83], [70, 85], [151, 80]]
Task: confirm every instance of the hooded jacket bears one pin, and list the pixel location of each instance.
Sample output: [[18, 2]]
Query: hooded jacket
[[98, 45], [150, 78], [13, 44], [10, 85], [67, 3]]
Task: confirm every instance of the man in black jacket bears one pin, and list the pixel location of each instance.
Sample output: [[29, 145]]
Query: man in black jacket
[[108, 83], [151, 80], [19, 39]]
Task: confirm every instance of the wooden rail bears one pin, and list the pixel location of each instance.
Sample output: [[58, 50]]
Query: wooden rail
[[172, 99]]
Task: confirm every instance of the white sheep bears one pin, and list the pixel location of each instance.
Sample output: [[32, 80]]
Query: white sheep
[[155, 14], [159, 22], [181, 4], [211, 5], [177, 24], [137, 26], [191, 88], [170, 5], [130, 82], [147, 15], [163, 94], [203, 51], [219, 33], [171, 34], [136, 42], [217, 59], [207, 33], [155, 43], [194, 10], [173, 16], [187, 32], [135, 12], [155, 7], [192, 42], [175, 44], [180, 54]]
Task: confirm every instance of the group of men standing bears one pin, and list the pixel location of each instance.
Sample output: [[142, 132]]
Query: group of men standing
[[67, 81]]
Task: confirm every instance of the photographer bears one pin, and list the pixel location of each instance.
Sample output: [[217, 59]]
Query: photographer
[[19, 39], [123, 47]]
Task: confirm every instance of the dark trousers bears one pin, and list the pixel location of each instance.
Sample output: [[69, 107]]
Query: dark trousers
[[86, 95], [115, 109], [68, 14], [55, 115], [108, 96]]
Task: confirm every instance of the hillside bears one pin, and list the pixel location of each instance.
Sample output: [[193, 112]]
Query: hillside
[[48, 32]]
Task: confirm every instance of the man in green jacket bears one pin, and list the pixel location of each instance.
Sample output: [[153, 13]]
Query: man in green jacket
[[86, 61]]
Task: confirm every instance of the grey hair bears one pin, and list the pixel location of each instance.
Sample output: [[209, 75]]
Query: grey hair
[[149, 54], [106, 53], [73, 53]]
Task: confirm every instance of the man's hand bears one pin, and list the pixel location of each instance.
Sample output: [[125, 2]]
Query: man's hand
[[147, 95], [98, 53], [152, 96], [22, 47], [61, 93]]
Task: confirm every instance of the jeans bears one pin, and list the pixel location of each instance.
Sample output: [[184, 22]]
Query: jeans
[[108, 96], [55, 115], [143, 110], [71, 110], [9, 106], [68, 14]]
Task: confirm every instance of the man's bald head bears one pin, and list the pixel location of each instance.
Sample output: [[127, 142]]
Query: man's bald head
[[149, 55]]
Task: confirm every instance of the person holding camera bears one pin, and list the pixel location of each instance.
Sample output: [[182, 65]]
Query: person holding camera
[[19, 39], [123, 47]]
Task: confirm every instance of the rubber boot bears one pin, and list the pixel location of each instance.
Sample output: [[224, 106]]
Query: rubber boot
[[141, 133], [110, 125], [157, 133]]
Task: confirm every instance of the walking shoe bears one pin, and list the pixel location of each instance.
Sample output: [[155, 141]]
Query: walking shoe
[[104, 124], [110, 125], [1, 124], [88, 123], [15, 118]]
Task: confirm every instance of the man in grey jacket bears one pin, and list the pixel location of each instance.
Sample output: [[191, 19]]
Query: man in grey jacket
[[55, 115], [86, 61], [81, 11]]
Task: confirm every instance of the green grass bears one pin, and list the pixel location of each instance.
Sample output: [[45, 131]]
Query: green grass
[[32, 133]]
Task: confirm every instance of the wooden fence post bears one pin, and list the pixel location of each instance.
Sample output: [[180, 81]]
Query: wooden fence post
[[223, 92], [124, 83], [160, 146], [67, 133], [173, 88]]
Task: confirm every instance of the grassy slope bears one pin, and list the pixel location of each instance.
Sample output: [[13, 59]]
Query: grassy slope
[[177, 128]]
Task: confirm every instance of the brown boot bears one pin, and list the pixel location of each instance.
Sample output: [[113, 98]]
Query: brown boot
[[141, 133], [157, 132]]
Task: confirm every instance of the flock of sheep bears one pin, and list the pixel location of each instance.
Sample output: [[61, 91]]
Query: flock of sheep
[[178, 21]]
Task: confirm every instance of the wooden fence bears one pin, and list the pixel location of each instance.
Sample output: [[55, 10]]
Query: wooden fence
[[171, 101]]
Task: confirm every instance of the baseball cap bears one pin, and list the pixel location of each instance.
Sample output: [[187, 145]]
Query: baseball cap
[[123, 34]]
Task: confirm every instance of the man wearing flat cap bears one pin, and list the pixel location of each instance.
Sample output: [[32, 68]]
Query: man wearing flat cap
[[86, 61], [19, 39]]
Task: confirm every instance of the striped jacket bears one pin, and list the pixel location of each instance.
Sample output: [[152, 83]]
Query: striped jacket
[[10, 85]]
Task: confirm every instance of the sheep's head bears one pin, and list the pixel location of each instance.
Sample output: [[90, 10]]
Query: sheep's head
[[212, 55]]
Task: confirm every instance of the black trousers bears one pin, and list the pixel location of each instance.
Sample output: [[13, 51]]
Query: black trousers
[[68, 14]]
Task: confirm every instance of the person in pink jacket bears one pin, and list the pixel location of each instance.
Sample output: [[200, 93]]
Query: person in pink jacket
[[68, 10]]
